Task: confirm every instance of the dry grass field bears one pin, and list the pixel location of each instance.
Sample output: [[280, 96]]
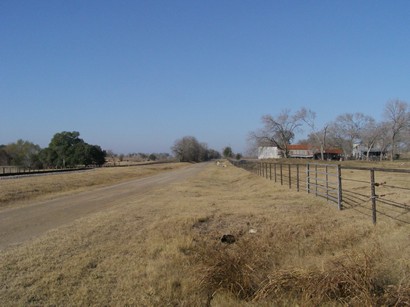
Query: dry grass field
[[42, 187], [165, 249]]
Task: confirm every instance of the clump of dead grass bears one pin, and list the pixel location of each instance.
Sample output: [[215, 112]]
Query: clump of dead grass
[[238, 269], [248, 273], [348, 280]]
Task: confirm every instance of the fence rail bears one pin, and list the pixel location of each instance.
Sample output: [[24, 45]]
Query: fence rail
[[9, 171], [377, 192]]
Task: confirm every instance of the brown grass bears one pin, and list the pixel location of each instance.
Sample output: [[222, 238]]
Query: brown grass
[[164, 249], [25, 189]]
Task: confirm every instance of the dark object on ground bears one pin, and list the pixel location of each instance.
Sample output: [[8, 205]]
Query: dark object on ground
[[228, 239]]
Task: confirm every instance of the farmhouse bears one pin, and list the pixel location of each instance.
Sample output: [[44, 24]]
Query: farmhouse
[[300, 151], [360, 152]]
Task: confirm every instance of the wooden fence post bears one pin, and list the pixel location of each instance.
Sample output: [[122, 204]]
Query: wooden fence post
[[373, 193], [274, 166], [308, 177], [315, 179], [339, 188], [281, 175], [266, 170], [327, 183], [270, 171], [290, 179], [297, 177]]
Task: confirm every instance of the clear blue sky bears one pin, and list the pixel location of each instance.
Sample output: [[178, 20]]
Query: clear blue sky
[[134, 76]]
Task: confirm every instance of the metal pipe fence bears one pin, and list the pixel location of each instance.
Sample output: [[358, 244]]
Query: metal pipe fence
[[376, 192]]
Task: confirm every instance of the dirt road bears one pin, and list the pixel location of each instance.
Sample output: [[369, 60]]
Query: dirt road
[[21, 224]]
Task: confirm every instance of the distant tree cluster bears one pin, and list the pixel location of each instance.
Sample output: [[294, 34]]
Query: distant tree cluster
[[229, 154], [66, 149], [188, 149], [392, 135], [20, 153], [114, 158]]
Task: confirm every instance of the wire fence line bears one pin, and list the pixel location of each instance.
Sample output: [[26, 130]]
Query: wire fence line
[[376, 192], [16, 171]]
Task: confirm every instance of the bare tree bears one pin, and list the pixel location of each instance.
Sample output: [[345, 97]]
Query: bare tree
[[111, 155], [188, 149], [278, 131], [397, 115], [346, 129], [317, 135], [370, 135]]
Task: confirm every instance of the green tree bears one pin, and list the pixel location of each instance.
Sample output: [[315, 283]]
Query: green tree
[[97, 155], [227, 152], [4, 156], [67, 149]]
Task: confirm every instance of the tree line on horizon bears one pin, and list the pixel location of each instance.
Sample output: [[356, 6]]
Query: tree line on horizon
[[189, 149], [391, 135], [66, 150]]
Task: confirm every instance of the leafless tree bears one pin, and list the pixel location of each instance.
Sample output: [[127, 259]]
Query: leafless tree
[[346, 129], [278, 131], [111, 155], [370, 135], [397, 115], [188, 149], [384, 140], [318, 136]]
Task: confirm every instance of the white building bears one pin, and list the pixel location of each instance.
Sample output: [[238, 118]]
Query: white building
[[269, 153]]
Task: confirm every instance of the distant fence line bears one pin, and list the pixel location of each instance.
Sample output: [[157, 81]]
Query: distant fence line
[[9, 171], [353, 188]]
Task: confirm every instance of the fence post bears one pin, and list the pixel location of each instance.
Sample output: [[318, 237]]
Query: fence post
[[274, 166], [373, 193], [327, 183], [297, 177], [281, 174], [270, 171], [315, 179], [290, 179], [339, 189], [266, 170], [308, 177]]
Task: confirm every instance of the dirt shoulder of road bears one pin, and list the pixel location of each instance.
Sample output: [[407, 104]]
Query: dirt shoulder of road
[[17, 192]]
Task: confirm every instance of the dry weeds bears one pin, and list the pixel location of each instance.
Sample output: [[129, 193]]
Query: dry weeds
[[164, 249]]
